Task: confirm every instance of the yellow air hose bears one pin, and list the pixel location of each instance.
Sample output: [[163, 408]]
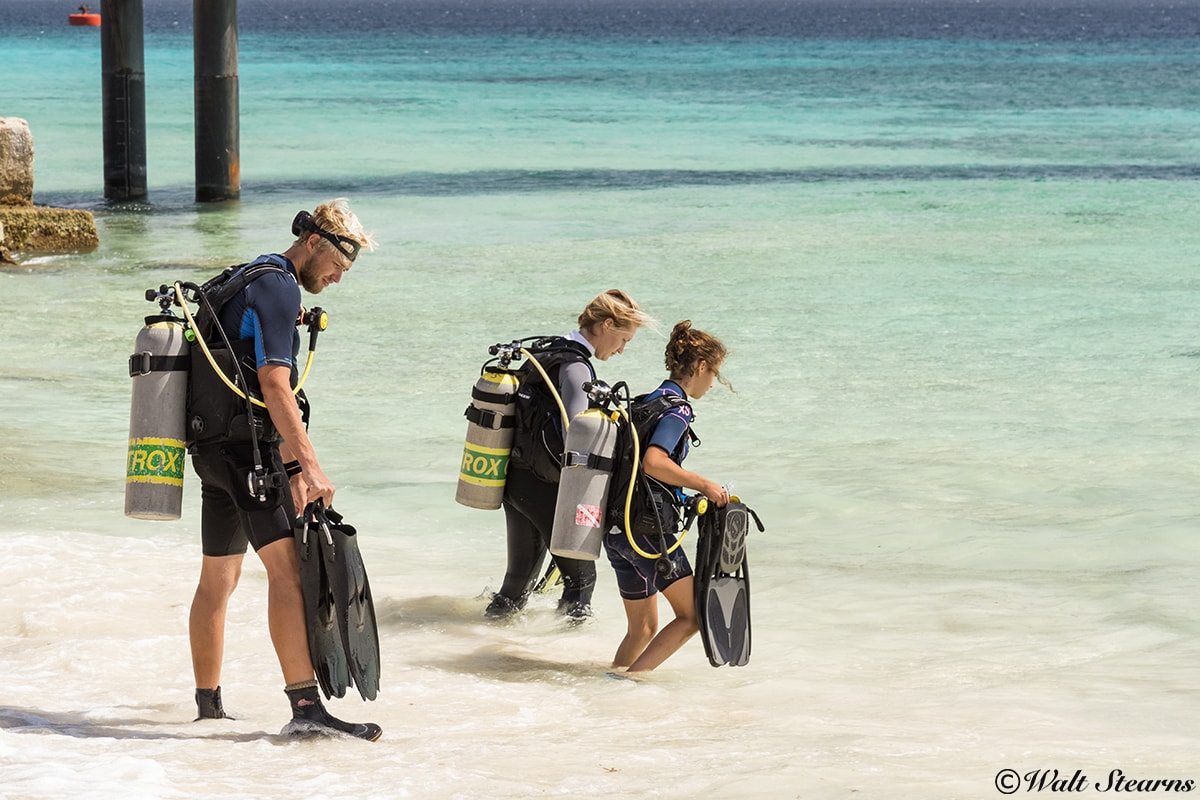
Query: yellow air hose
[[217, 369], [701, 504]]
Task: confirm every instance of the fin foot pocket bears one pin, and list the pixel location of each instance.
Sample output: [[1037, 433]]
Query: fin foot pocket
[[733, 544]]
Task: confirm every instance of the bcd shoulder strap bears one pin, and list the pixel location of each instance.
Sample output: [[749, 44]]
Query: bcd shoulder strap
[[646, 414], [553, 353], [224, 287]]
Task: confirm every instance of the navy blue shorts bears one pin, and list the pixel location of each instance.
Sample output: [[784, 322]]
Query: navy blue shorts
[[636, 577]]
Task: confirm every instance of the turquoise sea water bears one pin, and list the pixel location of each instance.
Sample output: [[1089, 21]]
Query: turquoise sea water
[[952, 247]]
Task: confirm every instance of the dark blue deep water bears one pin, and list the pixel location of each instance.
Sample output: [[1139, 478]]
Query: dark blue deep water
[[1049, 20]]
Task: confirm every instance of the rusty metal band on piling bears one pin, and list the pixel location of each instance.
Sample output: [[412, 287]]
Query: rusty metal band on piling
[[215, 45]]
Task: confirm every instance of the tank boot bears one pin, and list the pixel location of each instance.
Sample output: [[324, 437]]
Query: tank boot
[[309, 717], [502, 606], [208, 704]]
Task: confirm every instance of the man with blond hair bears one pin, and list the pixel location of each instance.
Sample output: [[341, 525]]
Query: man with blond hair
[[251, 489]]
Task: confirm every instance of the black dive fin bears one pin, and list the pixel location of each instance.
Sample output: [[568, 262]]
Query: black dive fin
[[353, 605], [722, 584], [324, 636]]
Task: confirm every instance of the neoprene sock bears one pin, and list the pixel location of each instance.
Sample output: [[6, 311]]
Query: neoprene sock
[[307, 707], [208, 704]]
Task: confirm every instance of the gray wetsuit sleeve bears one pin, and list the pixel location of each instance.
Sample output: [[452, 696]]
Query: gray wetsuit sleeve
[[572, 377]]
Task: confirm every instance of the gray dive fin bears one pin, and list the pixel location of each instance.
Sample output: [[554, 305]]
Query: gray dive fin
[[727, 621], [723, 584]]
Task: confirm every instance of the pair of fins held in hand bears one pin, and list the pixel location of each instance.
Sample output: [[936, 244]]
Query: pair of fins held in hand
[[722, 582], [343, 637]]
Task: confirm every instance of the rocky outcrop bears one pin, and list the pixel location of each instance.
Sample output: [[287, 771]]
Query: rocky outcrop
[[16, 161], [5, 256], [24, 226], [47, 230]]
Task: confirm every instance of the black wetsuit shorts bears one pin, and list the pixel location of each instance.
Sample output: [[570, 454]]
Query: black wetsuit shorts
[[230, 517]]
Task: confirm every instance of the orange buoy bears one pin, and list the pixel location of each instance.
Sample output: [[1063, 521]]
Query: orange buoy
[[84, 17]]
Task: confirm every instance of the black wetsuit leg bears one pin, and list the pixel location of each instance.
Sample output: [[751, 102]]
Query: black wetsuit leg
[[529, 510], [579, 579]]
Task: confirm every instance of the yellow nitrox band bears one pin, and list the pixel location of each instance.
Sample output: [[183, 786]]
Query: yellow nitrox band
[[483, 466], [155, 460]]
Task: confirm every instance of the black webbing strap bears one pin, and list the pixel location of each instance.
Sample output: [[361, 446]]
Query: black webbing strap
[[487, 418], [572, 458], [145, 363], [492, 397]]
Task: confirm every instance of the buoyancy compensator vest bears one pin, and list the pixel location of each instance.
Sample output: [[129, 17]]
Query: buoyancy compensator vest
[[516, 417], [600, 464], [181, 400], [654, 508], [541, 418], [218, 412]]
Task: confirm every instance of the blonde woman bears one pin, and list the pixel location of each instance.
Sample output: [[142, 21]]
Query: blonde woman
[[606, 325]]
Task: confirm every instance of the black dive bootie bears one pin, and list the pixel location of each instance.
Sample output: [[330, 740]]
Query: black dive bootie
[[503, 607], [208, 704], [310, 717], [576, 601]]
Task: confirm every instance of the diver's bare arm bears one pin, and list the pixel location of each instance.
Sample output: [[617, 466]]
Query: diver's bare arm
[[658, 465], [275, 381]]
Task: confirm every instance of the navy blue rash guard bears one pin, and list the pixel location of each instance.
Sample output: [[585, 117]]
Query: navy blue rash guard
[[266, 312], [670, 433]]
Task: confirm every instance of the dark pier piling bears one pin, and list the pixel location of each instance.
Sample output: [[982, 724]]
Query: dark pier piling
[[123, 81], [218, 164]]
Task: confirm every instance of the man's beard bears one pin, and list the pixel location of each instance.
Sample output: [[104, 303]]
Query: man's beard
[[309, 281]]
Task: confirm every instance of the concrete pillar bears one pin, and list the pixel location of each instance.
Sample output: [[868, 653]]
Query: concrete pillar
[[218, 164], [123, 90]]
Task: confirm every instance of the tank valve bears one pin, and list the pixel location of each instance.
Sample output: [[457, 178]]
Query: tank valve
[[164, 295]]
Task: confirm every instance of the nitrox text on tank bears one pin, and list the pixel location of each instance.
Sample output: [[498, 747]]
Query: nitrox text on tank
[[159, 369]]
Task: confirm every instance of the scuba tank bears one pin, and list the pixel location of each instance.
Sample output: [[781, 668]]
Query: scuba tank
[[163, 385], [157, 420], [588, 461], [491, 419]]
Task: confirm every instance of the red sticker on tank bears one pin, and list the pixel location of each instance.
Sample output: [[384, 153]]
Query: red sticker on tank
[[587, 516]]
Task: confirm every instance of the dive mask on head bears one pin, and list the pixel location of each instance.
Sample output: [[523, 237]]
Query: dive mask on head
[[345, 245]]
